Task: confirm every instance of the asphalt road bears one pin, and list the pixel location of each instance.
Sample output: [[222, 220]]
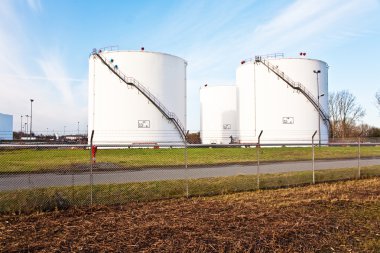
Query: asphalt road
[[29, 181]]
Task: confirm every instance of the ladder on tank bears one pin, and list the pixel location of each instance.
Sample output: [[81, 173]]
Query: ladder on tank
[[296, 86], [153, 99]]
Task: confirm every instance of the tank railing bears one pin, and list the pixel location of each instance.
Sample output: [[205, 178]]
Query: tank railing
[[109, 48], [132, 81], [274, 55], [266, 56], [295, 85]]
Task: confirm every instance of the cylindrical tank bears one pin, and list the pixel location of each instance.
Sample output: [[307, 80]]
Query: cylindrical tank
[[268, 103], [120, 113], [218, 114], [6, 127]]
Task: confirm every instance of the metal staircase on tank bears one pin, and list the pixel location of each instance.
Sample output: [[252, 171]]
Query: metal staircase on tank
[[132, 81], [295, 85]]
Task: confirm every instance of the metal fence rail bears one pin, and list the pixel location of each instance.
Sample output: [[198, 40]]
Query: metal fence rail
[[45, 177]]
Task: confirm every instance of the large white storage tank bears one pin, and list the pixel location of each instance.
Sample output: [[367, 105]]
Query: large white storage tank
[[266, 102], [218, 114], [121, 113]]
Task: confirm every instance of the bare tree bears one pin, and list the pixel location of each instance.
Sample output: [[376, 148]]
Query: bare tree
[[377, 96], [344, 112], [334, 115]]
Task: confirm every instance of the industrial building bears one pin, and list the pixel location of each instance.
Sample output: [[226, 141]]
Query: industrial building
[[6, 127], [286, 98], [136, 97]]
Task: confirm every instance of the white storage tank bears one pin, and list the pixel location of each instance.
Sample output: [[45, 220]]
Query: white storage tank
[[267, 101], [122, 113], [218, 114], [6, 127]]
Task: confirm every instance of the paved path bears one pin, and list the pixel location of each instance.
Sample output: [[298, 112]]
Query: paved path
[[28, 181]]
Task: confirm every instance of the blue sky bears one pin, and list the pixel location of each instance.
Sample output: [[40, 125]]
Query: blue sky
[[45, 46]]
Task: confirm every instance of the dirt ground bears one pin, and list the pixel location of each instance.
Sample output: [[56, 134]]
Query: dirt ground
[[342, 217]]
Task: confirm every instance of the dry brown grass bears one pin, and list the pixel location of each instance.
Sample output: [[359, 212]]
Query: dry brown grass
[[339, 217]]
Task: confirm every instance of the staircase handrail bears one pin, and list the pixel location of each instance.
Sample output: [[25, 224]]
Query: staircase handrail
[[296, 86]]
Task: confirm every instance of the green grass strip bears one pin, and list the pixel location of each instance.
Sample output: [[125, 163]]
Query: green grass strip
[[41, 160], [47, 199]]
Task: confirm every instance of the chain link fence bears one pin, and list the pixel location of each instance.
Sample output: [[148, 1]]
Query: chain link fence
[[47, 177]]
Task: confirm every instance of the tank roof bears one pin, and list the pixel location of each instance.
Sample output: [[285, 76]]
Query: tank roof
[[143, 51]]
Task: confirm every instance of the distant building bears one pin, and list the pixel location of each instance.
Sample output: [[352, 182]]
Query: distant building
[[6, 127], [73, 137], [28, 138]]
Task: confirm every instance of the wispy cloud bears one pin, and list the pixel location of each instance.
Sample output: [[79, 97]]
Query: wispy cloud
[[299, 24], [305, 21], [26, 72], [35, 5], [44, 78], [312, 24], [52, 67]]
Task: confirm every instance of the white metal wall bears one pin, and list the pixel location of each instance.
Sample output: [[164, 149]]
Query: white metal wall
[[267, 103], [120, 114], [6, 127], [218, 114], [246, 105]]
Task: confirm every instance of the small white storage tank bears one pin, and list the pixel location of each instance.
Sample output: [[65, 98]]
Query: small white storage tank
[[218, 114], [6, 127], [122, 113], [267, 102]]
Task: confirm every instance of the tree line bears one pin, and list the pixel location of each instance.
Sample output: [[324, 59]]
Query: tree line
[[345, 115]]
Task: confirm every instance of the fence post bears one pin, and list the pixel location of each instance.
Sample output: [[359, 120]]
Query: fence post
[[359, 169], [30, 183], [72, 185], [186, 162], [312, 145], [258, 160], [91, 168], [187, 176]]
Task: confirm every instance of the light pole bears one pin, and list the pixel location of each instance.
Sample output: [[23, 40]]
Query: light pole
[[78, 128], [26, 124], [64, 130], [31, 117], [317, 72], [21, 124]]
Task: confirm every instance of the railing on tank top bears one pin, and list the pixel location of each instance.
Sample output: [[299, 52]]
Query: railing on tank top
[[295, 85], [109, 48], [132, 81], [266, 56]]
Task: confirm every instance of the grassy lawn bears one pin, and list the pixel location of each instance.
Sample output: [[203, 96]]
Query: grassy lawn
[[32, 160], [43, 199]]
